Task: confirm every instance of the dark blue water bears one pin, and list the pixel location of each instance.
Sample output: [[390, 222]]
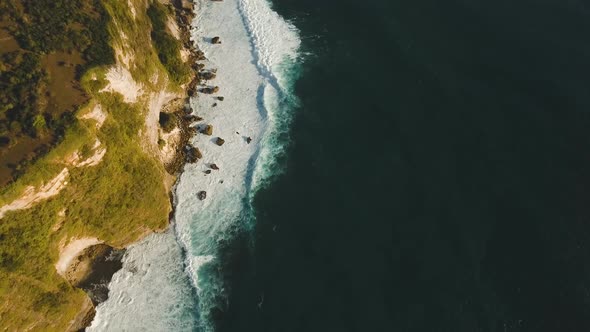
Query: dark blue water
[[438, 175]]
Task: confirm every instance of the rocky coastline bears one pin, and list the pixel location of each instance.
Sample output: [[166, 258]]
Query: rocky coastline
[[93, 269]]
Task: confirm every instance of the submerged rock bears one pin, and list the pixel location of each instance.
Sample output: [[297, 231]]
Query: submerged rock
[[202, 195], [219, 141]]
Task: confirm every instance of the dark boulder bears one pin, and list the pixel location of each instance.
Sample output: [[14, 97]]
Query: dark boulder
[[248, 140], [207, 130], [219, 141], [210, 90], [207, 75], [213, 166], [202, 195], [199, 55], [192, 118], [193, 154], [215, 40]]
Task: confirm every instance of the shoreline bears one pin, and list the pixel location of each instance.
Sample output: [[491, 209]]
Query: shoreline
[[93, 263], [174, 271]]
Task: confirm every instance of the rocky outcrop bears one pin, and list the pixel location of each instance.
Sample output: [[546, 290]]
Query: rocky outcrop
[[93, 269], [32, 195], [193, 154]]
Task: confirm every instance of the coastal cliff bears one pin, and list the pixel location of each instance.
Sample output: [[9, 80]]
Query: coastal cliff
[[105, 183]]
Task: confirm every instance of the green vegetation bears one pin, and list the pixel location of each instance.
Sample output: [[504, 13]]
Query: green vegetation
[[46, 26], [167, 46], [20, 75], [29, 111], [118, 200]]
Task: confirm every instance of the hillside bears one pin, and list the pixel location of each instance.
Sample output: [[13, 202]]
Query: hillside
[[84, 160]]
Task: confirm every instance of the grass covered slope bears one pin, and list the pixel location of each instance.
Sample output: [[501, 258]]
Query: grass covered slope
[[117, 200]]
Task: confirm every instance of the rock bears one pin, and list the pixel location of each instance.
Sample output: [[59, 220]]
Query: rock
[[207, 130], [214, 104], [248, 140], [215, 40], [220, 98], [193, 154], [191, 92], [192, 118], [210, 90], [207, 75], [200, 56], [202, 195], [208, 171], [213, 166], [219, 141]]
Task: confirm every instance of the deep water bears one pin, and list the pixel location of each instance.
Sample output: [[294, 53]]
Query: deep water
[[437, 176]]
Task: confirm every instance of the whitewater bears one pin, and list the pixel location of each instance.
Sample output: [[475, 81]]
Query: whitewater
[[172, 281]]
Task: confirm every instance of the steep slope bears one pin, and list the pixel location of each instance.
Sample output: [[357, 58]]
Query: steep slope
[[106, 181]]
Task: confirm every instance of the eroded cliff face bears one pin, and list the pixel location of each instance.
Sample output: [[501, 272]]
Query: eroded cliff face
[[106, 184]]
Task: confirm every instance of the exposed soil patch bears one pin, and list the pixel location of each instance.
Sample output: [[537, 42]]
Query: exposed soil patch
[[64, 93]]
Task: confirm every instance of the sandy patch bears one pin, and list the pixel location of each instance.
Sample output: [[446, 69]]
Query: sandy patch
[[121, 81], [173, 27], [97, 114], [184, 54], [32, 195], [168, 151], [71, 251]]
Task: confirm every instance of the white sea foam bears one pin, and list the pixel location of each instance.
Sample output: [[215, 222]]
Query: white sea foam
[[256, 43], [151, 292], [258, 48]]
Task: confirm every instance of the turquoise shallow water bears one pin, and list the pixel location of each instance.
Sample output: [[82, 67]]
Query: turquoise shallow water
[[436, 177]]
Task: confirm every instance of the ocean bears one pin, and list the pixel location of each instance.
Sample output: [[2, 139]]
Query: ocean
[[414, 166]]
